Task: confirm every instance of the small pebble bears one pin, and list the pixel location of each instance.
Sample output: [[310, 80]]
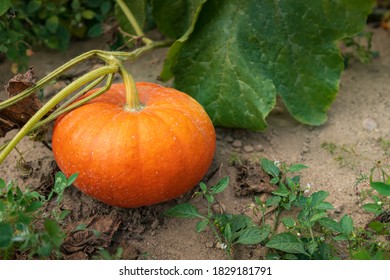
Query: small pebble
[[369, 124], [229, 139], [221, 245], [237, 144], [259, 148], [155, 224], [248, 148], [209, 244]]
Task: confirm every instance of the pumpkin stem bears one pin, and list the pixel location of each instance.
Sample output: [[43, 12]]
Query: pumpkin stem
[[65, 92], [132, 98]]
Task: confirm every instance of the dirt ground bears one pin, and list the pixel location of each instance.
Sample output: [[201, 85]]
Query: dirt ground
[[350, 143]]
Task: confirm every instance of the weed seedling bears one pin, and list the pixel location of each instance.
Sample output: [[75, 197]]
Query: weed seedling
[[23, 227], [309, 232], [312, 234], [228, 229]]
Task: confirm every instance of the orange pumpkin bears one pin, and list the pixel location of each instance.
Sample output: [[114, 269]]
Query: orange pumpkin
[[135, 158]]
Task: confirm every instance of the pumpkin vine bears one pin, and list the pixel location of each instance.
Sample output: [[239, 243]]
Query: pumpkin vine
[[75, 90]]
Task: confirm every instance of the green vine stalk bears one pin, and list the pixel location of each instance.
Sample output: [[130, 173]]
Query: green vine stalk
[[114, 64]]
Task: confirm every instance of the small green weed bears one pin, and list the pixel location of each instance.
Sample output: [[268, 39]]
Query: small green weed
[[310, 233], [359, 47], [379, 206], [300, 241], [344, 155], [235, 160], [228, 229], [24, 227], [330, 147]]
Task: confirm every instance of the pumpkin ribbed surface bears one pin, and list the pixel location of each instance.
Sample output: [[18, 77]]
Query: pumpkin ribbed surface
[[135, 158]]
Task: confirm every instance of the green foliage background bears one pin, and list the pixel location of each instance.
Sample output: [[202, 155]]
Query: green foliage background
[[237, 56], [234, 57], [50, 23]]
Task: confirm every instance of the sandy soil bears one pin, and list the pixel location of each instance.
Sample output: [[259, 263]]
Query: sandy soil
[[337, 153]]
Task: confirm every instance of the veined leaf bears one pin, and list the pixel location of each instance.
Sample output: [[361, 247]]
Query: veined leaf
[[379, 228], [288, 222], [324, 206], [203, 186], [35, 205], [241, 54], [346, 224], [317, 198], [71, 179], [296, 167], [239, 222], [253, 235], [175, 19], [381, 188], [287, 242], [273, 200], [228, 233], [281, 191], [372, 207], [318, 216], [201, 225], [184, 210], [220, 186], [330, 224], [270, 167]]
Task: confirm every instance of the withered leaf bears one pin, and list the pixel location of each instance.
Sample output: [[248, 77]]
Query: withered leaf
[[251, 179], [17, 115], [80, 244]]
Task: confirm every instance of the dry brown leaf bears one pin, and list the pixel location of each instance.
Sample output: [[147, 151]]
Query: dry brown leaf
[[81, 244], [18, 114], [251, 179]]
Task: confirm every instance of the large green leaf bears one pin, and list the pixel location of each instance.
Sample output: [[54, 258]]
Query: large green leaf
[[242, 53], [175, 19]]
